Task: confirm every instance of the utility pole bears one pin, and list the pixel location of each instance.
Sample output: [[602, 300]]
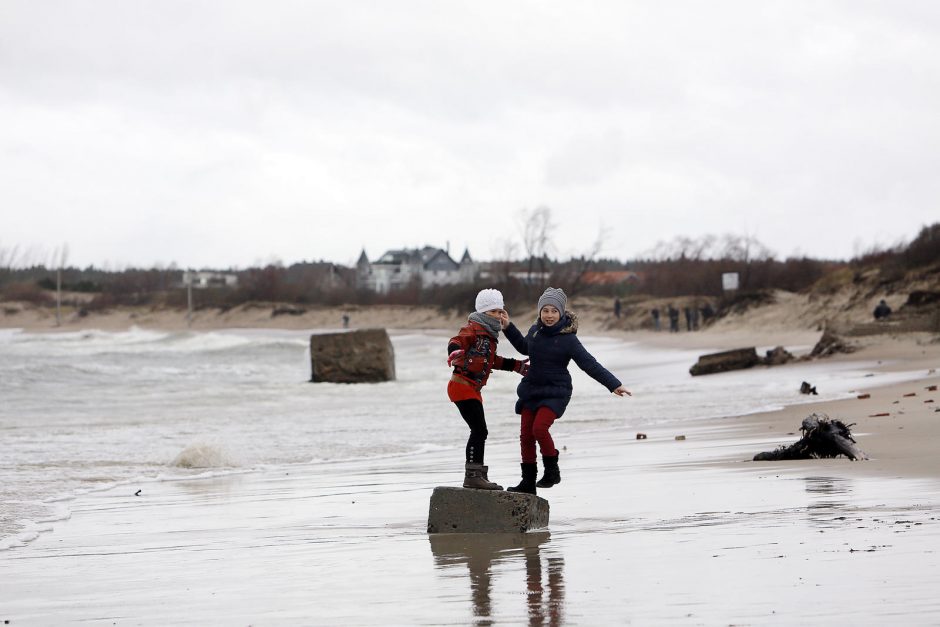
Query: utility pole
[[188, 279], [58, 296], [63, 255]]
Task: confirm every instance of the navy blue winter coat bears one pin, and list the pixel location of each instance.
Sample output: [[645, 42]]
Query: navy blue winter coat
[[548, 383]]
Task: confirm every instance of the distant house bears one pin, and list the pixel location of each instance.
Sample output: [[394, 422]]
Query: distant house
[[426, 267], [205, 279], [322, 275], [496, 272]]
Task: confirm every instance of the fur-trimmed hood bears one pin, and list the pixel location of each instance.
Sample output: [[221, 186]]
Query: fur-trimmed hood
[[570, 320]]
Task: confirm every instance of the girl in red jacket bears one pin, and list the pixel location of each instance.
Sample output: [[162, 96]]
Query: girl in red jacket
[[472, 354]]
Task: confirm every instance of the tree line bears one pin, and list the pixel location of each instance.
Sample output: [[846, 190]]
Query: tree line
[[681, 267]]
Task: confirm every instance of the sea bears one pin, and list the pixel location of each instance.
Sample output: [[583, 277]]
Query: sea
[[90, 410]]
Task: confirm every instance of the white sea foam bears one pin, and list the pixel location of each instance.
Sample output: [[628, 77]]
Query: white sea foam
[[203, 455]]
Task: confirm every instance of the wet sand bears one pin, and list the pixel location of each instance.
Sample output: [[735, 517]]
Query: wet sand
[[655, 531]]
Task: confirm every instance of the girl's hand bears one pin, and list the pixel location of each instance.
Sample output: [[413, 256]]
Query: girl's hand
[[455, 358], [622, 391]]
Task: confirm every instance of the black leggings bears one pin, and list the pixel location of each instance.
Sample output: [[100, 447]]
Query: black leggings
[[471, 410]]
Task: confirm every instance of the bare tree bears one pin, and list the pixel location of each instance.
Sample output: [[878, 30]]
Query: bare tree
[[571, 275], [747, 251], [744, 248], [537, 228], [503, 251], [728, 247], [9, 259]]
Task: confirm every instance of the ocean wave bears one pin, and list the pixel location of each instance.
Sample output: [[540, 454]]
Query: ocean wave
[[29, 520], [141, 341], [202, 455]]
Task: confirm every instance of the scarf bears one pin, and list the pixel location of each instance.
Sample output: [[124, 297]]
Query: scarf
[[489, 323]]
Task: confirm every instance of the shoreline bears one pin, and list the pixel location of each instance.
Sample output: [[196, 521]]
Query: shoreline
[[634, 526]]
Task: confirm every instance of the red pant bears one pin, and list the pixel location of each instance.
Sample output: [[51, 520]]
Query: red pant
[[535, 425]]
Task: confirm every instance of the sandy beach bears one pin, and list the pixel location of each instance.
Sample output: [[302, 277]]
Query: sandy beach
[[654, 531]]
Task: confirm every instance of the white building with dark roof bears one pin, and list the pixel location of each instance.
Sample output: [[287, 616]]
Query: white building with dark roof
[[424, 267]]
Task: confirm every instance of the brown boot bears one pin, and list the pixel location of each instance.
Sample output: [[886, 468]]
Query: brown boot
[[475, 477]]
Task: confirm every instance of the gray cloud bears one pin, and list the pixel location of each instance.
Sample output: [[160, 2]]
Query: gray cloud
[[217, 133]]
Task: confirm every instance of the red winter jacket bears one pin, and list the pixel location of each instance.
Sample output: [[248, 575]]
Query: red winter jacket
[[473, 368]]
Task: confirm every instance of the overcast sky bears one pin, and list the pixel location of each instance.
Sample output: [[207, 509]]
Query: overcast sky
[[228, 133]]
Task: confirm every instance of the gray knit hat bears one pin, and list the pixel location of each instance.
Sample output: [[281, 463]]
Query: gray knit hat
[[555, 297]]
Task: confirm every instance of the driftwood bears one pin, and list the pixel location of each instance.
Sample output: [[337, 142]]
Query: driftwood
[[736, 359], [739, 359], [808, 388], [822, 437], [830, 344]]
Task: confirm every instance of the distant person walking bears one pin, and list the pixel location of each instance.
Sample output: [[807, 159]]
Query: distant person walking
[[707, 313], [673, 319], [882, 311], [617, 308], [688, 318], [655, 313], [552, 343], [472, 354]]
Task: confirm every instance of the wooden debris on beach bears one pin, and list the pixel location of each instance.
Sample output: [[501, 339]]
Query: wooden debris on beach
[[830, 344], [777, 357], [739, 359], [822, 438], [736, 359], [361, 356], [808, 388], [463, 510]]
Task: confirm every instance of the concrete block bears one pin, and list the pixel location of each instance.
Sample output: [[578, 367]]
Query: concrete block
[[361, 356], [462, 510]]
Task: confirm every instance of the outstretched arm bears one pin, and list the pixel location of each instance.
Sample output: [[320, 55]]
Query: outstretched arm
[[518, 341], [508, 363], [595, 370]]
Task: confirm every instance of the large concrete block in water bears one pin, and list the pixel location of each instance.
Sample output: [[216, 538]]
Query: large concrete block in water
[[361, 356], [463, 510]]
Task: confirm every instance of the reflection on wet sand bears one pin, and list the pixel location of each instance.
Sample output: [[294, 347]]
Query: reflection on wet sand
[[828, 485], [484, 554], [825, 511]]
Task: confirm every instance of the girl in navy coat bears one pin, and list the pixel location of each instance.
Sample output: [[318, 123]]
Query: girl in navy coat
[[545, 390]]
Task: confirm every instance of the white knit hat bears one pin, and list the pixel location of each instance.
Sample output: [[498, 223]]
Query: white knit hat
[[489, 299]]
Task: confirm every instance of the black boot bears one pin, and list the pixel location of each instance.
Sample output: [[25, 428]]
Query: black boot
[[527, 485], [552, 475]]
